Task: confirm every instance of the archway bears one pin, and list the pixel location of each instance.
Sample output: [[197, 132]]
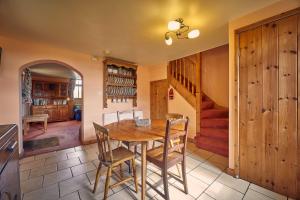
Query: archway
[[56, 101]]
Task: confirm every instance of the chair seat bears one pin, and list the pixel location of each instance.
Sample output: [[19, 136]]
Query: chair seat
[[155, 156], [120, 155]]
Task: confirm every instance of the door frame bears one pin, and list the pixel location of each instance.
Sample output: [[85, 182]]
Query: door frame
[[156, 81], [46, 61]]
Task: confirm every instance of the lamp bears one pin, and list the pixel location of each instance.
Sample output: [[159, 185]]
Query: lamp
[[168, 40], [180, 30], [173, 25]]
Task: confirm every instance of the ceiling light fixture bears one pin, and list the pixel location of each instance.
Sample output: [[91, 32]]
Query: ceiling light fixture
[[180, 30]]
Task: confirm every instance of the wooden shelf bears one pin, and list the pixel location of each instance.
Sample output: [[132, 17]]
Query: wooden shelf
[[117, 75], [121, 85], [122, 75]]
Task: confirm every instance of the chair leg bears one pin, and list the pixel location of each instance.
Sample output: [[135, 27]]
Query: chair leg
[[135, 149], [121, 171], [134, 175], [97, 177], [128, 162], [107, 182], [166, 184], [183, 167]]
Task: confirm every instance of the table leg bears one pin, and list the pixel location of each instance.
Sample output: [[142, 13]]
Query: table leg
[[45, 125], [144, 170]]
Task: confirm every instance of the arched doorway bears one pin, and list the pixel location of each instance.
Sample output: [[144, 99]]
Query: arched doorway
[[51, 106]]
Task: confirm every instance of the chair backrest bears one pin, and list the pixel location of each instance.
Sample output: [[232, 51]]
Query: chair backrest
[[109, 118], [176, 129], [125, 115], [138, 114], [174, 116], [105, 152]]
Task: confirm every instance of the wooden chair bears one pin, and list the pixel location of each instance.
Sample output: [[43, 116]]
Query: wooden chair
[[111, 159], [125, 115], [138, 114], [128, 115], [170, 116], [167, 156], [109, 118]]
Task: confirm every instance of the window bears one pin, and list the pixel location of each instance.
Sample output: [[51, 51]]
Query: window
[[78, 89]]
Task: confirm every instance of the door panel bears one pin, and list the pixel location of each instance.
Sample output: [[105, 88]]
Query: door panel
[[268, 98], [287, 136], [159, 99]]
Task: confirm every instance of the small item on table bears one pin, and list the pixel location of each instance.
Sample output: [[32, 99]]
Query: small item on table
[[143, 122]]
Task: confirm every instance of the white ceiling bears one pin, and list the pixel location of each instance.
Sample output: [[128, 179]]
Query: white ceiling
[[54, 70], [130, 29]]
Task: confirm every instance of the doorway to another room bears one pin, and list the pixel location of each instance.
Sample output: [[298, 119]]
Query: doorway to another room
[[52, 104]]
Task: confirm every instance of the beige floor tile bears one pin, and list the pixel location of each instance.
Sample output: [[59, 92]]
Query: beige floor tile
[[65, 151], [47, 169], [87, 157], [79, 148], [27, 159], [195, 187], [73, 184], [267, 192], [175, 194], [191, 163], [57, 177], [45, 155], [68, 163], [24, 175], [32, 164], [234, 183], [217, 168], [92, 174], [31, 184], [204, 175], [83, 168], [205, 197], [76, 154], [219, 191], [72, 196], [56, 158], [46, 193], [253, 195], [87, 194], [129, 193]]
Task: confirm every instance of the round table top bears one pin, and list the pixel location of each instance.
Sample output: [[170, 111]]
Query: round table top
[[127, 131]]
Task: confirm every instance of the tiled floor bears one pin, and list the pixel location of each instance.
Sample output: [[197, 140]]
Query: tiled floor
[[70, 174]]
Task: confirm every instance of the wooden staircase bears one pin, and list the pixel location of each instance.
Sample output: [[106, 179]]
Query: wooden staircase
[[184, 76], [214, 124], [212, 121]]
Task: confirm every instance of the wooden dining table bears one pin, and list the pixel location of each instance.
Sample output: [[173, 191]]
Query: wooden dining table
[[128, 131]]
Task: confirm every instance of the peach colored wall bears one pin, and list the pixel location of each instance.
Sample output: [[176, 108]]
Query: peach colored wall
[[214, 73], [272, 10], [180, 105], [158, 72], [15, 54]]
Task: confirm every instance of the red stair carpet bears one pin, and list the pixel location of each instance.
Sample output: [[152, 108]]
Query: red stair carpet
[[213, 134]]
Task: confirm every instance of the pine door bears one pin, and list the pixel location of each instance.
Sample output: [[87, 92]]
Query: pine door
[[268, 105], [159, 99]]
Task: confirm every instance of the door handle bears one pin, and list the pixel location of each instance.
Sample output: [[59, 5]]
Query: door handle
[[12, 146]]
